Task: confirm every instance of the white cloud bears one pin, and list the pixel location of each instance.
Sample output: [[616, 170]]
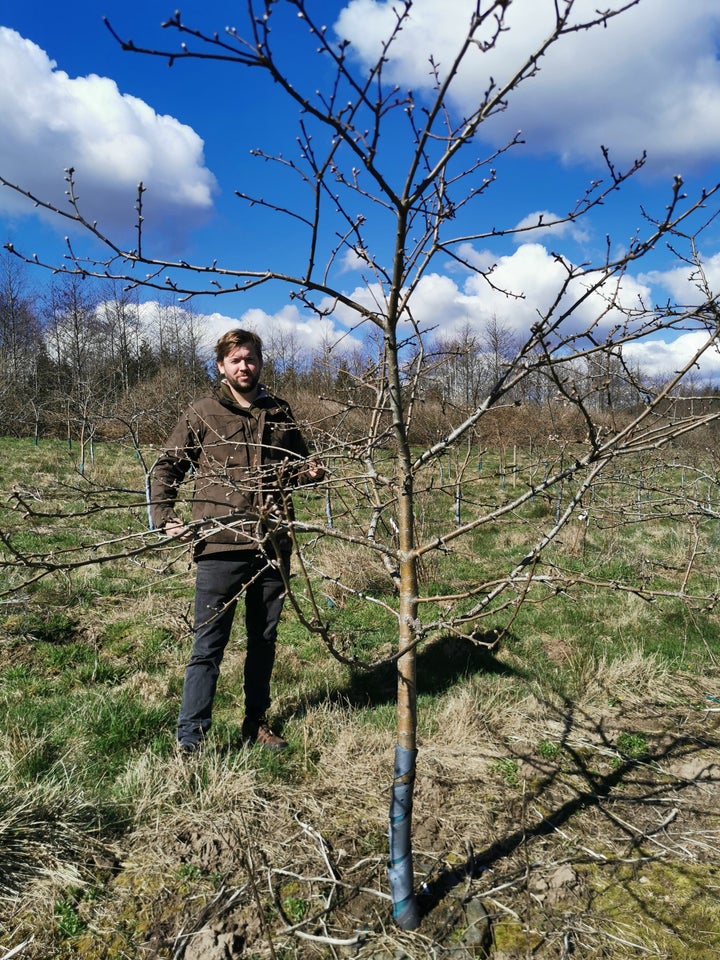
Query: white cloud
[[519, 289], [540, 233], [286, 331], [351, 262], [649, 80], [283, 333], [521, 286], [515, 289], [662, 358], [684, 283], [50, 121]]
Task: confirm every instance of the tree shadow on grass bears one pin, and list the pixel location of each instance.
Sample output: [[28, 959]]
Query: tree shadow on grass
[[440, 665], [644, 784]]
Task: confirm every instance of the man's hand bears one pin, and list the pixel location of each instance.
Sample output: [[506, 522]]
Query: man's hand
[[176, 529], [315, 470]]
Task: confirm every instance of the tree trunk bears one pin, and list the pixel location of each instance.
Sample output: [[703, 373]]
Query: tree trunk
[[400, 866]]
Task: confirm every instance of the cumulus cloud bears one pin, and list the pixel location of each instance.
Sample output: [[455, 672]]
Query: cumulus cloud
[[549, 229], [684, 283], [351, 261], [520, 288], [514, 290], [649, 81], [286, 332], [662, 358], [50, 121], [524, 285]]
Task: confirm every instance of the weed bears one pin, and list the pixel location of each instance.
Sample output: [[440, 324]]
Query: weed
[[548, 749], [189, 871], [508, 769], [67, 919], [295, 908], [632, 745], [372, 841]]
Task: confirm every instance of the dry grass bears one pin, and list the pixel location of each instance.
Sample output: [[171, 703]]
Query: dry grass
[[226, 851], [347, 570], [48, 836]]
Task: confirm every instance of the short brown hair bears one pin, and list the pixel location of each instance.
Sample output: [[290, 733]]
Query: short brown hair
[[237, 338]]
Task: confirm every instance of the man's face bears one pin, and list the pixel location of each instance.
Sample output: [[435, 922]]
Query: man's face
[[241, 368]]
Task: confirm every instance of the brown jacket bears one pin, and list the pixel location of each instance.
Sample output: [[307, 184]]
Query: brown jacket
[[243, 462]]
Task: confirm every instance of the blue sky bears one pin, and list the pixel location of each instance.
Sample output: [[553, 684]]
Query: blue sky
[[69, 96]]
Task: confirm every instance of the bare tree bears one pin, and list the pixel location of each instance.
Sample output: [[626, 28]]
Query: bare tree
[[179, 340], [76, 345], [119, 319], [354, 192], [22, 349]]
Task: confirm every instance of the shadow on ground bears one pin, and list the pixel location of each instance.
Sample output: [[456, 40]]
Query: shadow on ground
[[663, 794], [440, 665]]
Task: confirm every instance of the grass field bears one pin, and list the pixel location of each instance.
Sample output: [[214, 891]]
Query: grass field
[[567, 777]]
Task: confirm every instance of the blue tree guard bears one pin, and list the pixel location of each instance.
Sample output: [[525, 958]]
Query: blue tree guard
[[400, 869]]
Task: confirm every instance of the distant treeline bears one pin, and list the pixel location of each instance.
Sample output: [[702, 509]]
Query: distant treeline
[[82, 360]]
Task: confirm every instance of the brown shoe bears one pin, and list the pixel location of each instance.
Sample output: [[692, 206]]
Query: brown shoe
[[258, 731]]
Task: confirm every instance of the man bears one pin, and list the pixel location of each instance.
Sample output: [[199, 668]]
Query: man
[[245, 452]]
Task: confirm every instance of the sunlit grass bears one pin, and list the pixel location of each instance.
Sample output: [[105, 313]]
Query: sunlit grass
[[93, 659]]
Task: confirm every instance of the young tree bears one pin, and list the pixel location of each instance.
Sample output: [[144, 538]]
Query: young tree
[[394, 179]]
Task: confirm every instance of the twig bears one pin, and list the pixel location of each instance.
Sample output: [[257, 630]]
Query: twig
[[501, 906], [568, 945], [181, 939], [644, 834], [323, 850], [247, 856], [600, 857], [333, 941], [16, 950], [339, 883]]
